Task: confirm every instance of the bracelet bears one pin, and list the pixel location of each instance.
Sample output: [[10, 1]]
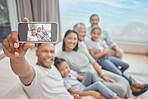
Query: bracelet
[[101, 74]]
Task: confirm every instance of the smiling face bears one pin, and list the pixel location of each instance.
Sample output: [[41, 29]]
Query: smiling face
[[94, 21], [64, 69], [71, 41], [33, 32], [45, 54], [95, 34], [81, 33]]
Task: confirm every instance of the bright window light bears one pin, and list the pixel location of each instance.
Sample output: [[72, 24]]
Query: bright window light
[[124, 20]]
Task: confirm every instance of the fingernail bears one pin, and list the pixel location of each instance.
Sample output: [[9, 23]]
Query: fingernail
[[16, 54], [16, 45]]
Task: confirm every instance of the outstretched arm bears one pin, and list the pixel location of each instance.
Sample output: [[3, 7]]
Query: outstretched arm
[[16, 51], [22, 68]]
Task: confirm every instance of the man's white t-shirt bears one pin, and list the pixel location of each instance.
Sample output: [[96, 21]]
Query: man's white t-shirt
[[47, 84]]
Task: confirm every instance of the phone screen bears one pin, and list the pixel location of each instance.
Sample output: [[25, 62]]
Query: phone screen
[[38, 32]]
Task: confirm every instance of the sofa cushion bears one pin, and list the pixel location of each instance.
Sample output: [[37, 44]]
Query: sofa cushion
[[16, 91]]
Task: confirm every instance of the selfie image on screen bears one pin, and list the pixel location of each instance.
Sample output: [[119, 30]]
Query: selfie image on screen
[[39, 32]]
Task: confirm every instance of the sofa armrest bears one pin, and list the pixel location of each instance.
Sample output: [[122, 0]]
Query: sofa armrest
[[16, 91]]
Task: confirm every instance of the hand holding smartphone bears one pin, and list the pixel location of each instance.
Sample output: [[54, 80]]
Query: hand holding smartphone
[[38, 32]]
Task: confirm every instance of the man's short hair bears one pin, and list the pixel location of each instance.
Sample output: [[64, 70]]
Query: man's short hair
[[33, 29], [39, 44], [93, 16]]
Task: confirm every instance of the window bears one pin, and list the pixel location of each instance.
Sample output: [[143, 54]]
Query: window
[[124, 20], [4, 21]]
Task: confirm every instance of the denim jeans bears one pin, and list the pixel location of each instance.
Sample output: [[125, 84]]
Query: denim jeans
[[111, 64], [91, 81]]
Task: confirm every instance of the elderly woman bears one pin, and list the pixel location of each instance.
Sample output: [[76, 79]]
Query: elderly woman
[[81, 61]]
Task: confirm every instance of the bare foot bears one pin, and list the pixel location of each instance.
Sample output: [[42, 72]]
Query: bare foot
[[137, 85], [134, 89]]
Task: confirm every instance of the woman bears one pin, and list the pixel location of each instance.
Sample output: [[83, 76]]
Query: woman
[[81, 61]]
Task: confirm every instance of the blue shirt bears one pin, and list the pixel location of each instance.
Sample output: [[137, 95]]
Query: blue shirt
[[72, 82]]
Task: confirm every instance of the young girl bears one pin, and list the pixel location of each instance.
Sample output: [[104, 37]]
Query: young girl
[[90, 84], [100, 53]]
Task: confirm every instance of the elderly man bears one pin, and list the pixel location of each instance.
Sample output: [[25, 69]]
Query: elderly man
[[114, 49]]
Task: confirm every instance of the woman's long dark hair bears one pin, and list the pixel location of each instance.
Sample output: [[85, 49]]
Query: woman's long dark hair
[[68, 32]]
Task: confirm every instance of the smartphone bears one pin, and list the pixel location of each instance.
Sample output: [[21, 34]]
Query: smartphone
[[38, 32]]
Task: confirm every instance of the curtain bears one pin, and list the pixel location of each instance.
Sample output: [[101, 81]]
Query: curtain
[[39, 10]]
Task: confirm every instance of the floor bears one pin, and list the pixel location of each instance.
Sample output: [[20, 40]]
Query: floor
[[136, 59], [138, 70]]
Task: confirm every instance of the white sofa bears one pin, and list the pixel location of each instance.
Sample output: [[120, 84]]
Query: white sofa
[[17, 92]]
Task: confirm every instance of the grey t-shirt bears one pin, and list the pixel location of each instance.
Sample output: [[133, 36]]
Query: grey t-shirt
[[95, 45], [47, 84], [72, 82], [82, 44], [79, 61]]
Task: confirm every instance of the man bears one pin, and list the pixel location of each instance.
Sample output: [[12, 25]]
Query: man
[[42, 81], [114, 49], [33, 36]]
